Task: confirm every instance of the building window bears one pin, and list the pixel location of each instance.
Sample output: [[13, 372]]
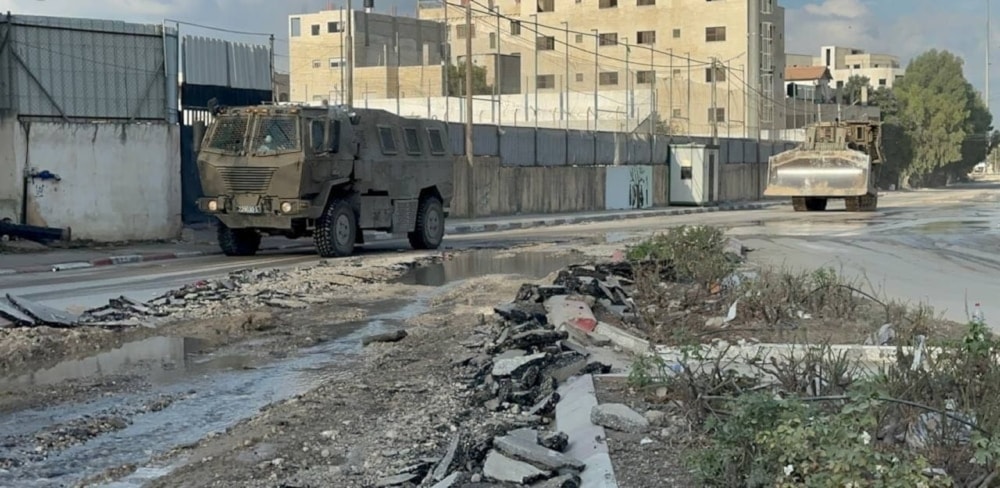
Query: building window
[[766, 6], [609, 39], [332, 27], [579, 77], [881, 82], [493, 40], [720, 75], [543, 82], [645, 77], [608, 3], [677, 72], [546, 6], [460, 31], [317, 64], [715, 34], [295, 27], [515, 27], [545, 43], [643, 3], [720, 115], [579, 38], [315, 29], [646, 37], [677, 33], [676, 113], [840, 84], [608, 78], [336, 63]]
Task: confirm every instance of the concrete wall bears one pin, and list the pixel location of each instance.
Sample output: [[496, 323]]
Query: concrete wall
[[741, 182], [11, 169], [118, 181]]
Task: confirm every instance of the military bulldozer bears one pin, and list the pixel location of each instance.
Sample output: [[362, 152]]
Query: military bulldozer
[[837, 160], [327, 172]]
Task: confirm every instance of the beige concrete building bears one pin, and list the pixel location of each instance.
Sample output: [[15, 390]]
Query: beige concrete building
[[845, 62], [394, 56], [665, 66]]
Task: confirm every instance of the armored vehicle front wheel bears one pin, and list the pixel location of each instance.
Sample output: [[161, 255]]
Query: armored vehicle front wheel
[[238, 242], [336, 230], [429, 231]]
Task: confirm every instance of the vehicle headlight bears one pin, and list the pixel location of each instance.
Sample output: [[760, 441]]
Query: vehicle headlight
[[286, 207], [213, 206]]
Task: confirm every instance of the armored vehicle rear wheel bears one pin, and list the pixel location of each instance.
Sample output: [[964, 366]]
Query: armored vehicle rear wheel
[[429, 231], [238, 242], [864, 203], [336, 230], [815, 204]]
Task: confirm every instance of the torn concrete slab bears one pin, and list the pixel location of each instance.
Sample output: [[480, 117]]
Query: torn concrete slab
[[586, 440], [12, 314], [502, 468], [508, 366], [618, 416], [44, 314], [442, 468], [564, 311], [526, 448], [395, 480], [451, 481]]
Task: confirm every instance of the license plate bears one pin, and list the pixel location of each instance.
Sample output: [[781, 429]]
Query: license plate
[[249, 209]]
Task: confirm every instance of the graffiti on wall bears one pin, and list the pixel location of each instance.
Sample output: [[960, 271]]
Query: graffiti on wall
[[639, 187], [629, 187]]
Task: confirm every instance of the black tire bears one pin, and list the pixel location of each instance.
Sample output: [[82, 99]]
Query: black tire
[[336, 230], [816, 204], [238, 242], [429, 231]]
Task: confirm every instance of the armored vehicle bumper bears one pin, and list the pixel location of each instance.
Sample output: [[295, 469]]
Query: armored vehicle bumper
[[243, 210], [798, 173]]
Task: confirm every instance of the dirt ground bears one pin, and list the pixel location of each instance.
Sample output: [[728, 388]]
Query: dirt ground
[[376, 416]]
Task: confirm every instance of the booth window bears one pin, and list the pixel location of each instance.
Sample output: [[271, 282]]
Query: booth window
[[686, 173]]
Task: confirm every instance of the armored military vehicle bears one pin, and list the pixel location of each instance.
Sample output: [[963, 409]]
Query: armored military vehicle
[[837, 160], [327, 172]]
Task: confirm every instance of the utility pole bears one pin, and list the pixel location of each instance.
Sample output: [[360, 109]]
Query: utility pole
[[446, 63], [986, 90], [350, 55], [753, 69], [468, 108], [340, 63], [690, 119], [628, 92], [566, 75], [274, 95], [498, 82], [535, 73], [715, 109], [652, 94], [597, 76]]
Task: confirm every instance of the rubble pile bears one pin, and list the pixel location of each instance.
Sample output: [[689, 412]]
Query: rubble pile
[[512, 374], [238, 291]]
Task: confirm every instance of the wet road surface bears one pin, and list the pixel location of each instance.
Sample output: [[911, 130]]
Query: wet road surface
[[934, 246]]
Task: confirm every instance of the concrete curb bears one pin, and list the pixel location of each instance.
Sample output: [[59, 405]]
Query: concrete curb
[[587, 442], [116, 260]]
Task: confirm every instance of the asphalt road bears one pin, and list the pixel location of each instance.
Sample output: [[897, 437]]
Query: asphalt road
[[936, 246]]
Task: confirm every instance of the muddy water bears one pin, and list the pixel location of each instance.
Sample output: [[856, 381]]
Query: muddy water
[[209, 392]]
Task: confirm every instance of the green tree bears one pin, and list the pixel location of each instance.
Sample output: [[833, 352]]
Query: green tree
[[938, 109], [850, 94], [456, 81]]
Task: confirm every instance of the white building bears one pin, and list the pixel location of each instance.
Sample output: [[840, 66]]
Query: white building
[[845, 62]]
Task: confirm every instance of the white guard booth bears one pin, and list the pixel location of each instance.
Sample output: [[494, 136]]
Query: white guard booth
[[694, 174]]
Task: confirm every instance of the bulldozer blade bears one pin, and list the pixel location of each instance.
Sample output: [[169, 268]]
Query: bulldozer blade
[[799, 173]]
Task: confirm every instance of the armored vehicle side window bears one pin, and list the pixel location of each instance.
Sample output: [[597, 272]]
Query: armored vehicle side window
[[334, 137], [229, 134], [437, 141], [317, 129], [412, 140], [387, 139]]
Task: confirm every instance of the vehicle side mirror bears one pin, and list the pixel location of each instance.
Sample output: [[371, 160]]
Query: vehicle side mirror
[[198, 133]]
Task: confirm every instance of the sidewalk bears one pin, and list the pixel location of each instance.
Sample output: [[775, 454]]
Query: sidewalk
[[200, 241]]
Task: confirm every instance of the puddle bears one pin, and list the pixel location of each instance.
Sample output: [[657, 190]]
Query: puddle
[[211, 398], [161, 358], [480, 263], [952, 226]]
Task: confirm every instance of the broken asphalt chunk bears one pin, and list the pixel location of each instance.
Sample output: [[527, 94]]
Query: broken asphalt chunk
[[619, 417], [44, 314], [557, 441], [16, 317], [502, 468], [512, 366], [396, 480], [526, 449], [521, 312], [534, 338], [394, 336], [441, 470]]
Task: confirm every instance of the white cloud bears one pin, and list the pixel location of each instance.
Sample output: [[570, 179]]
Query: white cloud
[[848, 9]]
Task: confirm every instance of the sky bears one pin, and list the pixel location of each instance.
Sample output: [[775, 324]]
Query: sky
[[901, 27]]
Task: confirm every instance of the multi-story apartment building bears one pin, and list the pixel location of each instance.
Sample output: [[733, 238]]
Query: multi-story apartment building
[[845, 62], [659, 52], [393, 56]]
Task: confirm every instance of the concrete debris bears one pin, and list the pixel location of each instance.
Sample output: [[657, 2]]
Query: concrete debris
[[441, 470], [884, 336], [526, 449], [511, 366], [451, 481], [397, 480], [15, 316], [393, 336], [619, 417], [564, 481], [504, 469], [42, 314], [557, 441]]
